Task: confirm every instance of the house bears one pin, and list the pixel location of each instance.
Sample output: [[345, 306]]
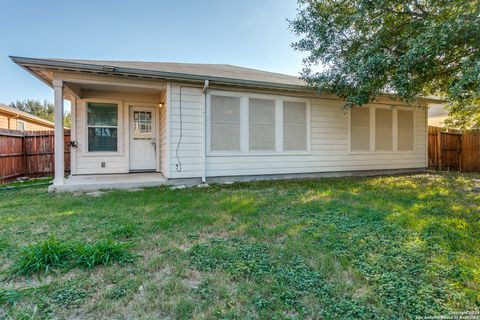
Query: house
[[14, 119], [214, 122]]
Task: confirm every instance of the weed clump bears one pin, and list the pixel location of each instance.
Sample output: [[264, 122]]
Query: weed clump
[[125, 231], [42, 256], [101, 253]]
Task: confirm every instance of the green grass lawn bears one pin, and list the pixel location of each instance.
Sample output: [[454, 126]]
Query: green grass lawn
[[354, 248]]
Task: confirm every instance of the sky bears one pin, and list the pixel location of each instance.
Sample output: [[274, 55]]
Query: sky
[[248, 33]]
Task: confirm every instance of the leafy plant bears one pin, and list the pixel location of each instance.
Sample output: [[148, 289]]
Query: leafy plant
[[42, 256], [287, 280], [101, 253], [68, 294], [412, 48]]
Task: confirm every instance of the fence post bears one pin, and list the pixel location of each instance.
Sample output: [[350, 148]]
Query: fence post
[[24, 154], [439, 149], [460, 150]]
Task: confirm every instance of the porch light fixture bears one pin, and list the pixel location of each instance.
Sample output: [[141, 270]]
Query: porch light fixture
[[160, 105]]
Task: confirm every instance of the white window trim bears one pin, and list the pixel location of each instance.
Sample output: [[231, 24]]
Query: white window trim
[[119, 127], [244, 125], [372, 130]]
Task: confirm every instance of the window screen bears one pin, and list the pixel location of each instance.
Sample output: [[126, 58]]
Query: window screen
[[102, 124], [225, 123], [383, 129], [261, 124], [20, 125], [294, 126], [405, 130], [360, 128]]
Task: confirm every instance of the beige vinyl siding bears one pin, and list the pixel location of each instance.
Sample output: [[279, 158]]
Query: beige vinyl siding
[[3, 122], [329, 150], [329, 145], [190, 150], [164, 154]]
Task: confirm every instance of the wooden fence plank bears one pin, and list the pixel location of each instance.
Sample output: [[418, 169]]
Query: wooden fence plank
[[453, 150], [29, 153]]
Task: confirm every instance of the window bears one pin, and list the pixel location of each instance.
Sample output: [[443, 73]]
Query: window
[[257, 123], [102, 125], [360, 128], [405, 130], [142, 125], [383, 129], [262, 124], [294, 126], [225, 123], [21, 125]]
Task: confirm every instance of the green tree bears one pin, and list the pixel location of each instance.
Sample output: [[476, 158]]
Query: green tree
[[412, 48], [43, 110]]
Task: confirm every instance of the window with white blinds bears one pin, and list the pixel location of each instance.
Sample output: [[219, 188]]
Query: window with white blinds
[[294, 126], [390, 125], [383, 129], [261, 113], [405, 130], [360, 129], [225, 123], [242, 123]]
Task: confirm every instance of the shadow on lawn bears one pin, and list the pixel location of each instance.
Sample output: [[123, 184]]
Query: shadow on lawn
[[415, 240]]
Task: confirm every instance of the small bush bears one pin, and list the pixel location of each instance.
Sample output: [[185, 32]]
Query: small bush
[[42, 256], [102, 253]]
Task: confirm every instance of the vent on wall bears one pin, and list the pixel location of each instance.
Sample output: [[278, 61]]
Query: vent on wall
[[109, 68]]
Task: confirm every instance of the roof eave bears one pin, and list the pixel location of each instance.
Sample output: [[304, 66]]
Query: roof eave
[[28, 116], [172, 76]]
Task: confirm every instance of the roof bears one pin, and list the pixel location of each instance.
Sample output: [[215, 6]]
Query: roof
[[24, 115], [218, 73], [223, 74]]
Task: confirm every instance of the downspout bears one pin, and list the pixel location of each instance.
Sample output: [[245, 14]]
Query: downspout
[[204, 160]]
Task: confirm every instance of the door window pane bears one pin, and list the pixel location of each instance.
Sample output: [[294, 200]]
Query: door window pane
[[142, 125]]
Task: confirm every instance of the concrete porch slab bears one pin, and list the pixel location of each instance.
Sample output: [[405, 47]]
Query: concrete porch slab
[[118, 181]]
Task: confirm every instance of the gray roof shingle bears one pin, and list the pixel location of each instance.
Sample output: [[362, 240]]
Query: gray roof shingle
[[225, 71]]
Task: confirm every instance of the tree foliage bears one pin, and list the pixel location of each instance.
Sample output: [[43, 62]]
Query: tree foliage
[[412, 48], [43, 110]]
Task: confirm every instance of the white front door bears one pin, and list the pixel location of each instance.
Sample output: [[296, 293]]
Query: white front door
[[142, 139]]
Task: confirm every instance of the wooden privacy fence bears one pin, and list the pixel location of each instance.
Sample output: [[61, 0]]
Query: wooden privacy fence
[[29, 153], [453, 150]]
